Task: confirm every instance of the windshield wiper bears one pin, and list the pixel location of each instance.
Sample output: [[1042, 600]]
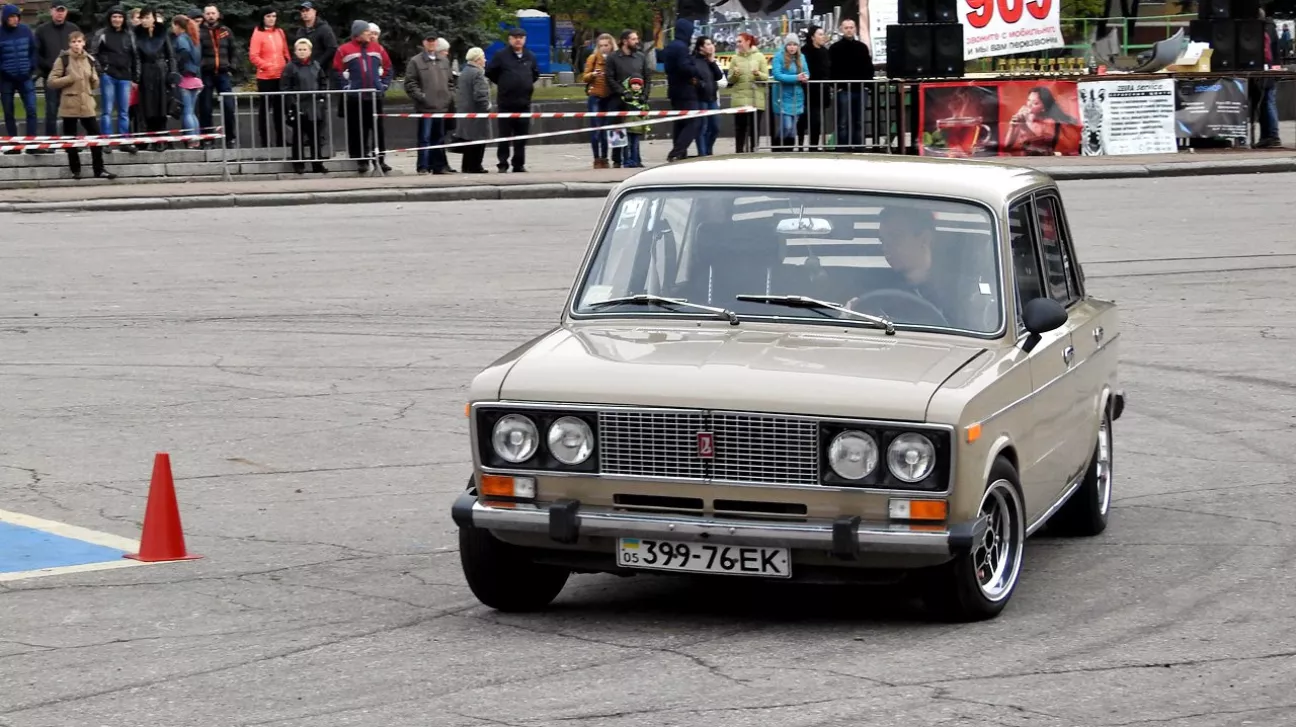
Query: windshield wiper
[[801, 301], [650, 299]]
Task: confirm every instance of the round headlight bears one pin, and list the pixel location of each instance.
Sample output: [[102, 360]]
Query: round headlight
[[853, 455], [570, 440], [515, 438], [911, 457]]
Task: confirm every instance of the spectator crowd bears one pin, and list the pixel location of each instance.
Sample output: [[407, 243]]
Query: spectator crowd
[[141, 69]]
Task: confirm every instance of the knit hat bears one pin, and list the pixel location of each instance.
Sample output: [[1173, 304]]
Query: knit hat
[[359, 27], [791, 39]]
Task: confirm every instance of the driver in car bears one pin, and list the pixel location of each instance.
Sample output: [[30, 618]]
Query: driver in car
[[910, 289]]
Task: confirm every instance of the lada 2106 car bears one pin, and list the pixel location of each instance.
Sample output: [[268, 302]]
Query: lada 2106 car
[[802, 367]]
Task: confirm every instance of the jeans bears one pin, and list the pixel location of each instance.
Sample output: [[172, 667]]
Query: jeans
[[188, 102], [710, 129], [27, 89], [787, 126], [630, 153], [212, 83], [850, 118], [52, 98], [116, 98], [599, 139], [430, 132], [1269, 112]]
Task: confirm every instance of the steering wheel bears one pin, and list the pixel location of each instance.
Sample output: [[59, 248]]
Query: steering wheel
[[904, 295]]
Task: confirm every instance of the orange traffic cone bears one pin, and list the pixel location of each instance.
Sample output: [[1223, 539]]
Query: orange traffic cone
[[163, 537]]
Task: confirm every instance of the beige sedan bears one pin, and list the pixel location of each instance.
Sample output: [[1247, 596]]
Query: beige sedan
[[804, 367]]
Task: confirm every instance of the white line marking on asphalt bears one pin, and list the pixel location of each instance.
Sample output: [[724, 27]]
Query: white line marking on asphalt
[[94, 537], [68, 569]]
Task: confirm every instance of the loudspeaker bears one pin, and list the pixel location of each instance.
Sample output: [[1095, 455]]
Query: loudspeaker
[[1213, 9], [909, 51], [947, 49], [914, 11], [944, 11], [1248, 48], [1221, 35]]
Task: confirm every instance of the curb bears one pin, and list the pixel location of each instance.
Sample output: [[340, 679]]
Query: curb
[[578, 190]]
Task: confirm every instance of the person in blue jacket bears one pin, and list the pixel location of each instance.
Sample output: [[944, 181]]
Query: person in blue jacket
[[18, 63]]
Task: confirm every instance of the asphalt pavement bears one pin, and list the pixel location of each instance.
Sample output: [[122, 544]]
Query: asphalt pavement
[[307, 375]]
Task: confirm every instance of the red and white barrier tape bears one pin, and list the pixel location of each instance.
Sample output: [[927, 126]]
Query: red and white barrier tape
[[562, 114], [86, 142], [585, 130], [131, 135]]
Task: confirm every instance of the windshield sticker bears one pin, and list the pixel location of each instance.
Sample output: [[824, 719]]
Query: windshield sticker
[[630, 213], [985, 289], [596, 294]]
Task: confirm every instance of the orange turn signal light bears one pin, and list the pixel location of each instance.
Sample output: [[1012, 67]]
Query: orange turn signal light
[[973, 433], [918, 509], [507, 486]]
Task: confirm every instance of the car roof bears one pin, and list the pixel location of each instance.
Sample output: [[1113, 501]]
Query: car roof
[[987, 182]]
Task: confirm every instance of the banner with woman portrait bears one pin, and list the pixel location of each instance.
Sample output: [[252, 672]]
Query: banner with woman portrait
[[999, 118]]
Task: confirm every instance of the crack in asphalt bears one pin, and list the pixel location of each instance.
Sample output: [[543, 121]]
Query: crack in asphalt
[[1212, 713], [282, 654], [943, 694], [33, 484], [1100, 669], [1225, 488], [1226, 516]]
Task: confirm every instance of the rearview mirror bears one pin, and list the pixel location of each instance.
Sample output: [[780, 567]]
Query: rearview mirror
[[804, 226], [1040, 316]]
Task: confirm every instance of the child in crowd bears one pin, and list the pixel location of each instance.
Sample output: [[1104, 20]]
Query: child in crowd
[[634, 101], [76, 76], [305, 113]]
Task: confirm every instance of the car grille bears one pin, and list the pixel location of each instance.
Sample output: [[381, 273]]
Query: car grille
[[751, 448]]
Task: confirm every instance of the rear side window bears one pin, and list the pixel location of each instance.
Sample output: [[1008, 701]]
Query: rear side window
[[1059, 272]]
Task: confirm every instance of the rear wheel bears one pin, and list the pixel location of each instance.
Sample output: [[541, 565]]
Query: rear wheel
[[1085, 513], [978, 584], [503, 576]]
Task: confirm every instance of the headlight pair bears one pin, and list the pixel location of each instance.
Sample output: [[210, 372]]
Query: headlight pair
[[516, 439], [854, 455]]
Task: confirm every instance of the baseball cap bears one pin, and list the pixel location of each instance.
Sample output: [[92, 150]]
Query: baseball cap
[[308, 5]]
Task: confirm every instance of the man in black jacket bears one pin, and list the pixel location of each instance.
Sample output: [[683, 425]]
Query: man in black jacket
[[113, 46], [323, 41], [514, 71], [851, 63], [51, 40], [216, 42]]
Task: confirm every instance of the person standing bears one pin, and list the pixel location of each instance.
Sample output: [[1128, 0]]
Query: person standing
[[748, 72], [156, 64], [818, 64], [514, 71], [427, 82], [76, 75], [217, 45], [268, 53], [787, 100], [627, 63], [113, 47], [18, 60], [324, 43], [851, 65], [51, 41], [360, 65], [188, 62], [472, 95], [710, 82], [304, 108], [598, 95]]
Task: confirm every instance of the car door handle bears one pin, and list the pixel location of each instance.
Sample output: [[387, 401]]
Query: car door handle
[[1098, 334], [1068, 354]]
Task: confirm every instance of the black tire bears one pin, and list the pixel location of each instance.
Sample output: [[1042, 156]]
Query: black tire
[[503, 576], [1085, 512], [954, 591]]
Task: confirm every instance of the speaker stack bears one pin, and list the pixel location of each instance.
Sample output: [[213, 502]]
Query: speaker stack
[[1235, 33], [928, 42]]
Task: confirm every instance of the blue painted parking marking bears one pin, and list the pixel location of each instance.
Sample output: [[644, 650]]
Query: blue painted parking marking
[[31, 547]]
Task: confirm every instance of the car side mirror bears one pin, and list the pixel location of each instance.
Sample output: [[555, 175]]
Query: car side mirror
[[1040, 316]]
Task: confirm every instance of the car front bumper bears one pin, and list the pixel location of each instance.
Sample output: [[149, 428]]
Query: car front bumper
[[566, 521]]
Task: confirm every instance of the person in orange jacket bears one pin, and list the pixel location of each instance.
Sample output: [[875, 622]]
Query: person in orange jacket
[[269, 54]]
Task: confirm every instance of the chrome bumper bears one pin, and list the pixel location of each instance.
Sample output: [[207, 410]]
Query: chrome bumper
[[566, 521]]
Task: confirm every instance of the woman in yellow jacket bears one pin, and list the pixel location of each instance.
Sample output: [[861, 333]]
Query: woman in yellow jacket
[[748, 74], [599, 94], [269, 54]]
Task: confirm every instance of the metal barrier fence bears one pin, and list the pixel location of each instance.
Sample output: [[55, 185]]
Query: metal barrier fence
[[308, 127]]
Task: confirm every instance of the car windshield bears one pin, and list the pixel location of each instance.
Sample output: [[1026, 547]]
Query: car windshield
[[915, 262]]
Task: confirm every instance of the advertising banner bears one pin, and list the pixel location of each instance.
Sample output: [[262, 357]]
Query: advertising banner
[[990, 27], [999, 118], [1128, 117], [1212, 108]]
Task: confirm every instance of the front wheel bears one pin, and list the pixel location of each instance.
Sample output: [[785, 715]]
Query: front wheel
[[978, 584], [503, 576]]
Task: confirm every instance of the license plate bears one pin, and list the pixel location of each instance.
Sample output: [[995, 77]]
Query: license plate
[[704, 558]]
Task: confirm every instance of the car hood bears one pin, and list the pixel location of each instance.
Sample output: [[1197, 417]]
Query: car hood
[[848, 373]]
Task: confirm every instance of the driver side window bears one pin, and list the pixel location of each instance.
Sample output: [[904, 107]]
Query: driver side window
[[1025, 260]]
